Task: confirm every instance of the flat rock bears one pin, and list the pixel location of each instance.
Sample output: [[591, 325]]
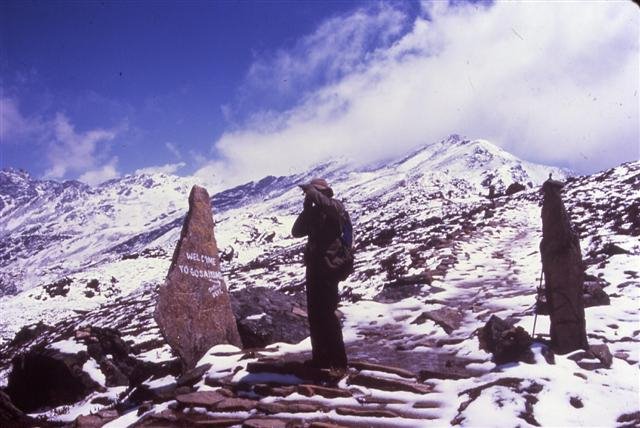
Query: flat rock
[[321, 424], [426, 404], [290, 407], [449, 319], [193, 309], [363, 365], [295, 368], [200, 398], [234, 404], [277, 391], [212, 422], [311, 390], [265, 423], [193, 376], [387, 384], [453, 373], [366, 412]]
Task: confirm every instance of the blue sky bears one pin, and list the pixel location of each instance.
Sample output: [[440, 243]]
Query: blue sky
[[231, 91]]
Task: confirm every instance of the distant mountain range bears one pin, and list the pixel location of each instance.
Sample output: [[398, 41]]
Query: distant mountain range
[[50, 229]]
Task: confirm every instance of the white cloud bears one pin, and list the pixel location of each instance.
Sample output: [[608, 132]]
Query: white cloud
[[170, 168], [173, 149], [548, 81], [101, 174], [339, 46], [14, 127], [78, 152]]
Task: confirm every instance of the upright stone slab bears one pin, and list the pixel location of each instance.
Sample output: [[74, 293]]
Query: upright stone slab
[[193, 308], [563, 273]]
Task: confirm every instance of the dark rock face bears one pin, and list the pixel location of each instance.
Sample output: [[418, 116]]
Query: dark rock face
[[514, 188], [28, 333], [267, 316], [48, 378], [563, 272], [11, 416], [193, 309], [505, 342]]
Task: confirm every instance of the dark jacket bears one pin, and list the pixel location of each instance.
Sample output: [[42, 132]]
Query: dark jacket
[[320, 221]]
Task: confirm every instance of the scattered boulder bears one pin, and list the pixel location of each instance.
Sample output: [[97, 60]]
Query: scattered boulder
[[384, 237], [28, 333], [595, 352], [59, 288], [448, 319], [611, 249], [200, 399], [115, 360], [193, 309], [45, 377], [394, 292], [594, 295], [514, 188], [265, 316], [506, 342], [193, 376]]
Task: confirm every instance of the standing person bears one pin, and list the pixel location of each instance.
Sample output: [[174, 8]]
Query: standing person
[[322, 221]]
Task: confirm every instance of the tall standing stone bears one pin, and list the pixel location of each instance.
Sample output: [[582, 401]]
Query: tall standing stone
[[193, 309], [563, 273]]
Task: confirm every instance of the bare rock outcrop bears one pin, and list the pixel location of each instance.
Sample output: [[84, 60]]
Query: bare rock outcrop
[[193, 309], [47, 377]]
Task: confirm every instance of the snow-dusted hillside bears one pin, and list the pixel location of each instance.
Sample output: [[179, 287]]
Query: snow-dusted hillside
[[427, 239], [50, 231]]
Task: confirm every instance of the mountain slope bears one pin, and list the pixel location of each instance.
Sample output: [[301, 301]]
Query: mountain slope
[[50, 229], [418, 251], [427, 240]]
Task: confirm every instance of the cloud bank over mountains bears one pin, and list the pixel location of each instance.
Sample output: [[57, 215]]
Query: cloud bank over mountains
[[552, 82], [84, 154]]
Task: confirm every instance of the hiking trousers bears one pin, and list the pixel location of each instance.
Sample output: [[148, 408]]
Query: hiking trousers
[[326, 333]]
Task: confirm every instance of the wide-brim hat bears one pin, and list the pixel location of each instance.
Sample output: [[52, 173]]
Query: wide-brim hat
[[321, 185]]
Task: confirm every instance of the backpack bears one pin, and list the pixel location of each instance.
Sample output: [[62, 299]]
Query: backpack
[[339, 258]]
